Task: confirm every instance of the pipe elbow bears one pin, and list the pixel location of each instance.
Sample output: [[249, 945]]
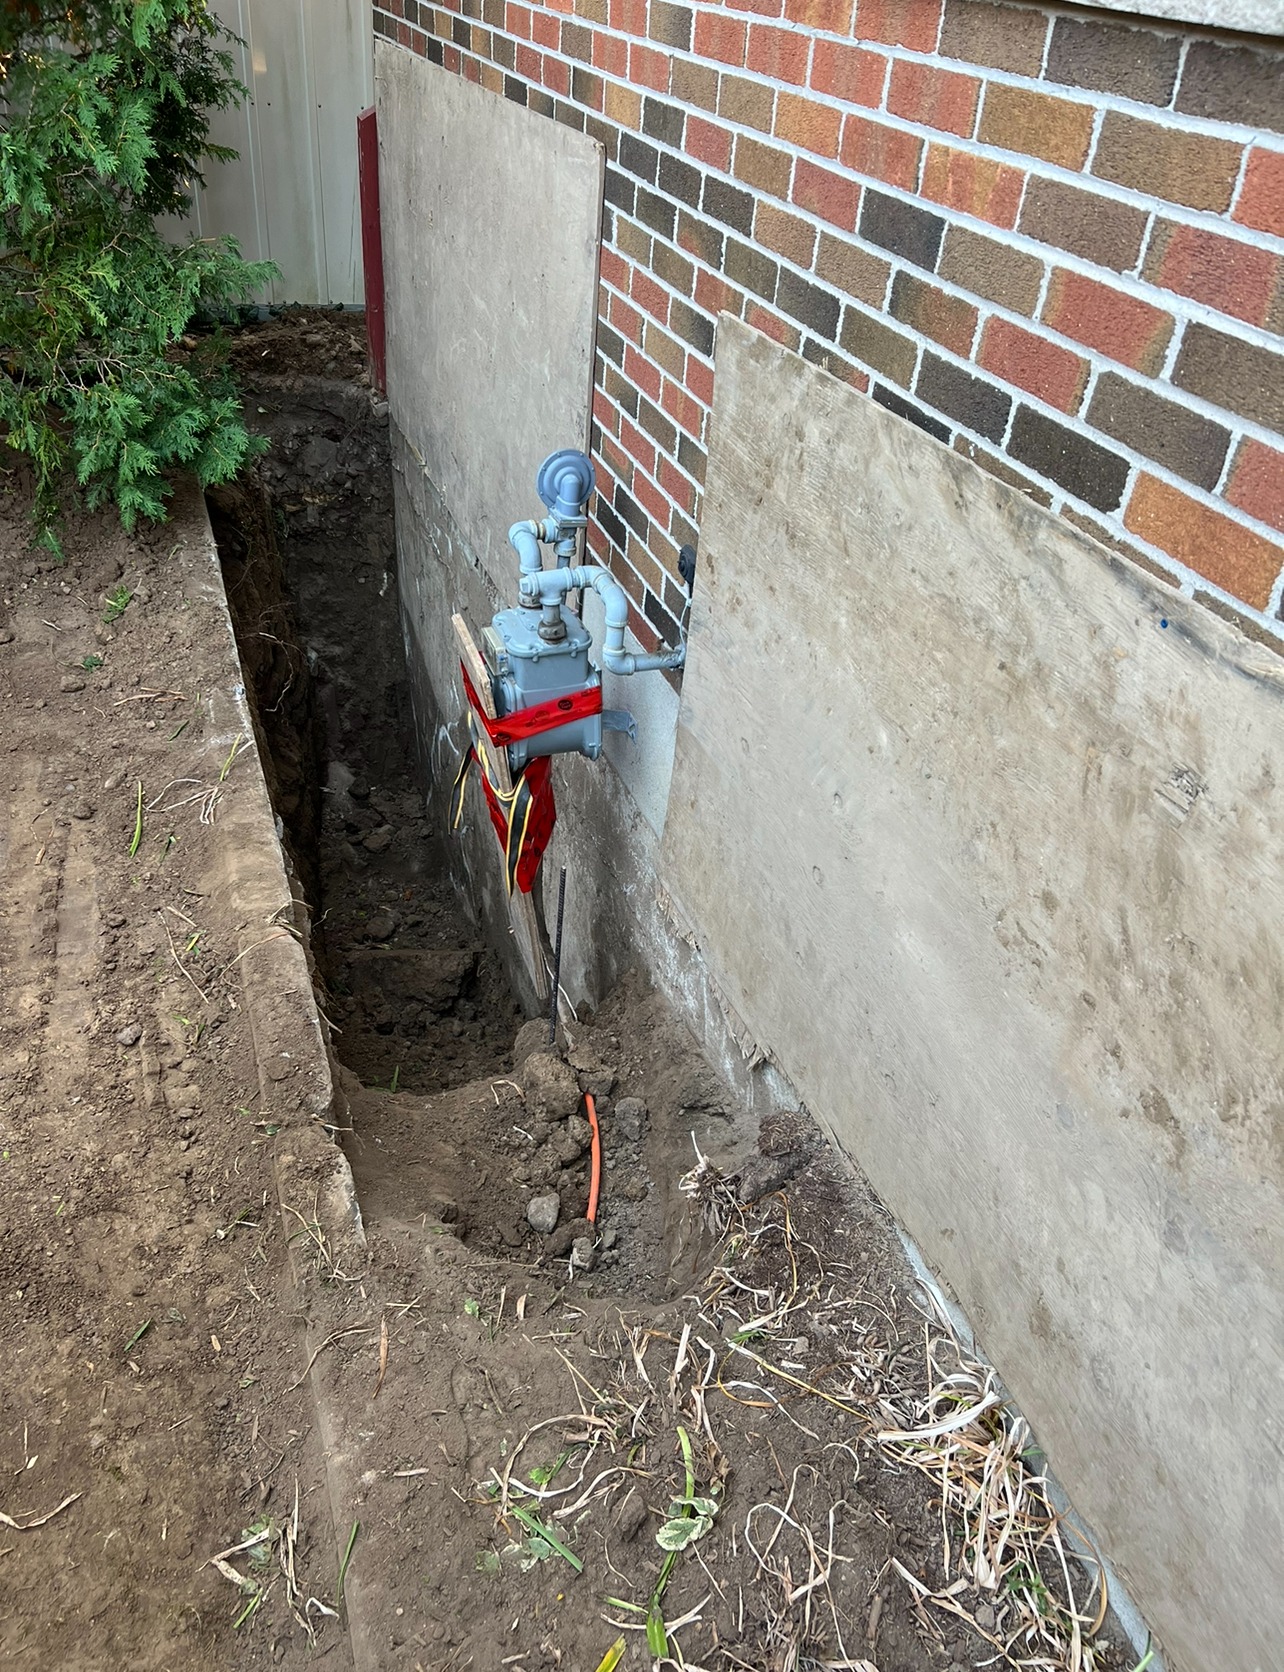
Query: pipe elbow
[[523, 537]]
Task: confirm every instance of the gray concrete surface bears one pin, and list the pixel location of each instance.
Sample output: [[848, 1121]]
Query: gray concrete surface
[[491, 226], [982, 833]]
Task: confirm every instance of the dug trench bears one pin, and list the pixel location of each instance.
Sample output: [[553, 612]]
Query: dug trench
[[525, 1410]]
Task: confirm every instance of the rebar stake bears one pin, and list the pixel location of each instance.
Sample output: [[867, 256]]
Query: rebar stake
[[557, 961]]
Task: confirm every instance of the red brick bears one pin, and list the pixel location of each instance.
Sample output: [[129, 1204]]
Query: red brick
[[649, 296], [1035, 124], [1196, 169], [885, 153], [746, 102], [626, 320], [940, 99], [1109, 320], [778, 53], [649, 67], [555, 74], [643, 631], [700, 379], [764, 167], [546, 30], [977, 185], [1257, 482], [1233, 277], [529, 63], [912, 23], [1004, 37], [1261, 198], [628, 17], [710, 142], [675, 484], [831, 196], [665, 351], [610, 53], [849, 73], [721, 37], [948, 320], [771, 325], [450, 61], [641, 372], [596, 540], [614, 270], [1055, 374], [786, 234], [716, 296], [1231, 556], [518, 21], [616, 462], [639, 447], [763, 8], [651, 499], [683, 408], [834, 17], [808, 124], [603, 411]]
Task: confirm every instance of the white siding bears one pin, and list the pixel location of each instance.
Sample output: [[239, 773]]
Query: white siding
[[292, 195]]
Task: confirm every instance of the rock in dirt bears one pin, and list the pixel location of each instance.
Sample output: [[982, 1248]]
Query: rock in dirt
[[71, 682], [81, 810], [762, 1174], [583, 1254], [378, 841], [630, 1118], [567, 1149], [531, 1037], [579, 1132], [632, 1516], [434, 977], [543, 1212], [597, 1082], [550, 1085], [381, 925], [564, 1238], [6, 635], [130, 1034]]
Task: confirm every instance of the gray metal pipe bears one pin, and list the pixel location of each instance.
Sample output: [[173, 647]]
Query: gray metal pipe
[[550, 586]]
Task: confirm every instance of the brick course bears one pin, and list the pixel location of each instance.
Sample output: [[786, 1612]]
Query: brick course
[[823, 169]]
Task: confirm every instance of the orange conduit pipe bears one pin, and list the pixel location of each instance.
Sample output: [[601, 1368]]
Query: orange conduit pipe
[[595, 1175]]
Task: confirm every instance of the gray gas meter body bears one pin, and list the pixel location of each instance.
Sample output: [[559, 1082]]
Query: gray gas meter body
[[527, 669]]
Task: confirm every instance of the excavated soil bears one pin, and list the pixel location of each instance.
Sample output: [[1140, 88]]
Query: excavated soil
[[492, 1421], [149, 1331]]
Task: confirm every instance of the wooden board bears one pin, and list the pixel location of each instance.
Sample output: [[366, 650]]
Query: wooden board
[[521, 907], [981, 831], [490, 315]]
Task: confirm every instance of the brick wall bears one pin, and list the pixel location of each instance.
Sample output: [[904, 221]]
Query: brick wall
[[1054, 240]]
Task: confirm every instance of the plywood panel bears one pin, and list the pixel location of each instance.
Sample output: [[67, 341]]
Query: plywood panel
[[983, 834], [491, 221]]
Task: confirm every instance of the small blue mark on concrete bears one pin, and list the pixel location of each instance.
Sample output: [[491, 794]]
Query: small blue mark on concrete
[[1163, 621]]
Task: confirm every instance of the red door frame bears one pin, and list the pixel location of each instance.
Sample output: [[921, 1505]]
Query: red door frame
[[372, 244]]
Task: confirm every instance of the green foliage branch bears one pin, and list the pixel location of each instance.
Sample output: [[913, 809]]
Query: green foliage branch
[[104, 126]]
